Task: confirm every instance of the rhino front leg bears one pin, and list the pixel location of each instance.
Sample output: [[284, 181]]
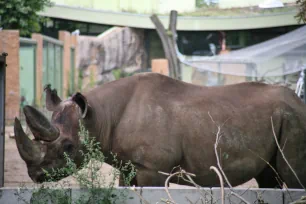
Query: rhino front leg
[[146, 177]]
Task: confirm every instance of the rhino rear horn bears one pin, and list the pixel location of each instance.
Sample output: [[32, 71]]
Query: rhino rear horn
[[29, 150], [52, 99], [39, 125]]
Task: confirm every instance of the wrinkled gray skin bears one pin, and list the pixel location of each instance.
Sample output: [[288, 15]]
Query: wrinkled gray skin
[[159, 123]]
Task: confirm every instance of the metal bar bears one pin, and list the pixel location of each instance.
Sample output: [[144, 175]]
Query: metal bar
[[304, 86], [53, 41], [35, 75], [2, 115], [62, 72], [27, 41]]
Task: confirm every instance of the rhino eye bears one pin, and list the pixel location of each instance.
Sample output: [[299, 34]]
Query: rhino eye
[[68, 147]]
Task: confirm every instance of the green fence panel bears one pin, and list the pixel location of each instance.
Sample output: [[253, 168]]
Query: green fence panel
[[27, 71], [58, 73], [53, 64], [45, 63], [72, 71]]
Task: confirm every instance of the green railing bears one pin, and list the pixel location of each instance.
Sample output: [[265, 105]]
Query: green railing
[[53, 63], [27, 71], [72, 71]]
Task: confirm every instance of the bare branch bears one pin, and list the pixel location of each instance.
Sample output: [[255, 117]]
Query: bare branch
[[179, 173], [167, 184], [283, 155], [190, 180], [273, 169], [218, 161], [211, 118], [221, 182]]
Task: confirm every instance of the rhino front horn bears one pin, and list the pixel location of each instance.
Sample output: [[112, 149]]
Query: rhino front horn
[[29, 150], [39, 125]]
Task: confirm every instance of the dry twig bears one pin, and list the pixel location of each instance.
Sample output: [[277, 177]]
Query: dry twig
[[221, 182], [218, 137], [180, 173]]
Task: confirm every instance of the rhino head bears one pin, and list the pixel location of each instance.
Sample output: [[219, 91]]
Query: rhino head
[[51, 139]]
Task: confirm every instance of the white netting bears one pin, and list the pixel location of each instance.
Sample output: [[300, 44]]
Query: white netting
[[283, 55]]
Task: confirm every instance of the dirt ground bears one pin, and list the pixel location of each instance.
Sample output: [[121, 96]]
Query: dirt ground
[[15, 170]]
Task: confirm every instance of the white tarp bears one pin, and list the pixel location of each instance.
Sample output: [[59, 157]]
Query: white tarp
[[277, 57]]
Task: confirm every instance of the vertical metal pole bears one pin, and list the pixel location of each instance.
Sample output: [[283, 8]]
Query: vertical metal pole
[[35, 101], [304, 87], [2, 115]]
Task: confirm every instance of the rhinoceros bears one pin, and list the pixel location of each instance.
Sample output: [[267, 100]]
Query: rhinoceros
[[158, 123]]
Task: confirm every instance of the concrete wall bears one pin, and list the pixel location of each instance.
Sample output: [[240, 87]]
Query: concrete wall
[[134, 6], [244, 3], [151, 6], [156, 194]]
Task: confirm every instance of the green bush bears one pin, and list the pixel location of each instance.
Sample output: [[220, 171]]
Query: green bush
[[92, 182], [22, 15]]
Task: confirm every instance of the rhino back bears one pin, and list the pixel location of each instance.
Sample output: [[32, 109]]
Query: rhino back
[[158, 123]]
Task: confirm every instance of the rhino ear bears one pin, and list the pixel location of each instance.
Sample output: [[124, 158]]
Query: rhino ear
[[52, 99], [79, 99]]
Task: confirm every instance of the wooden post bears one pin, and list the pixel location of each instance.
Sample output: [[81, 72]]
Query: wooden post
[[64, 36], [168, 39], [173, 43], [39, 68], [165, 42]]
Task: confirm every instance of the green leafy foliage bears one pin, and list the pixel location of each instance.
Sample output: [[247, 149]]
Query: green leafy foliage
[[301, 16], [22, 15], [92, 182]]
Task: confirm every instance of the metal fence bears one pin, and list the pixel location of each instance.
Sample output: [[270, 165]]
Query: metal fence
[[72, 71], [53, 63], [2, 115], [140, 195], [27, 71]]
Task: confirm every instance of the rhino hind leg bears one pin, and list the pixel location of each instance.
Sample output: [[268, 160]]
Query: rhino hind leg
[[147, 177], [268, 178], [293, 143]]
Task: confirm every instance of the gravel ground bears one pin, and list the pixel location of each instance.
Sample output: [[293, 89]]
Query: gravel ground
[[15, 170]]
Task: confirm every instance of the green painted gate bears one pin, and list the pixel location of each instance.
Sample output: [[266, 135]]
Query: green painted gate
[[72, 71], [27, 71], [53, 64]]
